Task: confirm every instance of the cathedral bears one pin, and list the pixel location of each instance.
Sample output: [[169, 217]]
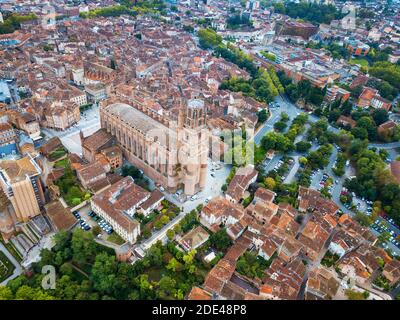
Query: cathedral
[[169, 146]]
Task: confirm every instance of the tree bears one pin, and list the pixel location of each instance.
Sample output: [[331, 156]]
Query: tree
[[154, 254], [303, 161], [262, 116], [380, 116], [220, 240], [177, 228], [237, 20], [363, 219], [359, 133], [5, 293], [312, 12], [303, 146], [158, 224], [166, 287], [189, 257], [104, 273], [276, 141], [334, 115], [66, 269], [28, 293], [144, 285], [174, 265], [129, 170], [146, 233], [384, 237], [170, 234], [368, 124], [164, 220], [387, 71], [83, 246], [208, 38], [269, 183], [280, 126], [355, 295]]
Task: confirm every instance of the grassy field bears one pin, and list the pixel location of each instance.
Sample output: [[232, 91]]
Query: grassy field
[[6, 267], [361, 62], [115, 238]]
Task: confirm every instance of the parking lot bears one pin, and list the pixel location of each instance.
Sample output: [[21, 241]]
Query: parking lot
[[87, 220], [382, 225], [216, 176]]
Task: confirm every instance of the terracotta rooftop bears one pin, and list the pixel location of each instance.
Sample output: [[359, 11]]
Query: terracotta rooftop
[[222, 207], [61, 217], [240, 182], [17, 170], [98, 139], [199, 294], [118, 198]]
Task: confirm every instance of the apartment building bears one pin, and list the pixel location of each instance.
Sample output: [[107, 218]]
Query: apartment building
[[61, 115], [20, 180]]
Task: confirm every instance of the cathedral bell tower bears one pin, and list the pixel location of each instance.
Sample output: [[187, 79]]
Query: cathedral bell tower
[[195, 114], [194, 152]]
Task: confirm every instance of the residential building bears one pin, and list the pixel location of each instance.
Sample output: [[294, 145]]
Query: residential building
[[321, 285], [220, 211], [152, 203], [357, 48], [91, 173], [61, 115], [244, 176], [370, 98], [96, 92], [95, 143], [335, 93], [346, 122], [114, 156], [194, 239], [7, 139]]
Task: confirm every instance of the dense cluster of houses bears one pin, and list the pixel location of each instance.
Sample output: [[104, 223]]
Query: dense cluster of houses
[[294, 242]]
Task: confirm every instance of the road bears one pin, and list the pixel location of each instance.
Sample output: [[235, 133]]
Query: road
[[293, 170], [17, 270], [284, 106]]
